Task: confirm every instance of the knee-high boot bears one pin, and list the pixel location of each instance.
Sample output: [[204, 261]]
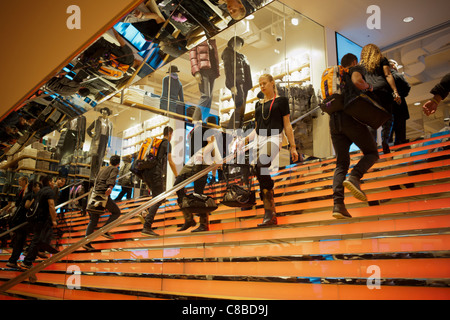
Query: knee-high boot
[[188, 221], [204, 223], [270, 216]]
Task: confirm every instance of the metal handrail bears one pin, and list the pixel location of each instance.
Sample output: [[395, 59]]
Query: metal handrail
[[58, 256], [56, 208], [305, 115]]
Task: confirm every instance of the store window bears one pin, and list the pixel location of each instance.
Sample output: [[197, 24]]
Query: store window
[[190, 61]]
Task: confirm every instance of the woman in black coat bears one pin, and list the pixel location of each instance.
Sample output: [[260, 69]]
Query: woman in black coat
[[380, 77]]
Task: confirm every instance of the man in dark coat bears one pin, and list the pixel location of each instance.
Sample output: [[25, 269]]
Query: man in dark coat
[[439, 92]]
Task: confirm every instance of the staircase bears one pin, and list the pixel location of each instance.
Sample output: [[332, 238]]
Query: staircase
[[397, 246]]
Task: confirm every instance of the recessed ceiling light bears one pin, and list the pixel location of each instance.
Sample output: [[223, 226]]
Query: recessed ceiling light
[[250, 17], [408, 19], [417, 104], [295, 21]]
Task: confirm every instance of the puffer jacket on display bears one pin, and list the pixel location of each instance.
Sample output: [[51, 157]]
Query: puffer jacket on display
[[205, 57]]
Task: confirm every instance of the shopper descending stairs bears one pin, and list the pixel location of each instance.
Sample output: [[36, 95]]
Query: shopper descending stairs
[[395, 246]]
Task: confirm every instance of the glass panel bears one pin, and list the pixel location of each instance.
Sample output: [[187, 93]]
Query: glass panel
[[170, 83]]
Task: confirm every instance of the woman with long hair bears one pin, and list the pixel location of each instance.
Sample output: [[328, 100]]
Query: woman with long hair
[[272, 117], [380, 77]]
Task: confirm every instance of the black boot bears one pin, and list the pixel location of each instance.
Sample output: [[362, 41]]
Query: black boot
[[188, 221], [204, 223], [340, 212], [270, 216], [353, 184]]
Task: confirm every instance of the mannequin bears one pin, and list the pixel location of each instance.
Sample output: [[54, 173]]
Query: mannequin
[[172, 88], [238, 79], [101, 139], [71, 140], [205, 68]]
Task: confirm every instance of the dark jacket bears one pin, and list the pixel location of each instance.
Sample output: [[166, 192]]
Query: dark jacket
[[126, 181], [237, 71], [63, 86], [105, 178], [176, 99], [403, 87], [443, 87]]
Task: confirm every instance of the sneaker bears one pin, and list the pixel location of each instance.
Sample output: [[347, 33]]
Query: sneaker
[[149, 232], [353, 184], [340, 212], [23, 265], [88, 247], [108, 235], [12, 265]]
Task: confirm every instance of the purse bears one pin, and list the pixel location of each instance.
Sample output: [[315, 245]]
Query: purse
[[199, 204], [367, 111], [238, 197], [332, 104]]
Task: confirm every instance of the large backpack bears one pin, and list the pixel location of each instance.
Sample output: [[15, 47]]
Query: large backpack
[[113, 69], [332, 86], [147, 157]]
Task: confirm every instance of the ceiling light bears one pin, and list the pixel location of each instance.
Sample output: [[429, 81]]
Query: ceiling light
[[294, 21], [417, 104], [250, 17], [408, 19]]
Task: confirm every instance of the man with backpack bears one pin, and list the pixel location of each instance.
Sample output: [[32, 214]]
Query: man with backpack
[[42, 217], [345, 130], [154, 160]]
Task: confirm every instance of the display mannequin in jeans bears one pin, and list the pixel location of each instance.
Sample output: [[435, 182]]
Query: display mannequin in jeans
[[205, 69], [345, 130]]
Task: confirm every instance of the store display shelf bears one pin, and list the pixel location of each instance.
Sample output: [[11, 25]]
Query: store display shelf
[[78, 176], [141, 141], [13, 163], [37, 170], [247, 117], [80, 165], [147, 129]]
